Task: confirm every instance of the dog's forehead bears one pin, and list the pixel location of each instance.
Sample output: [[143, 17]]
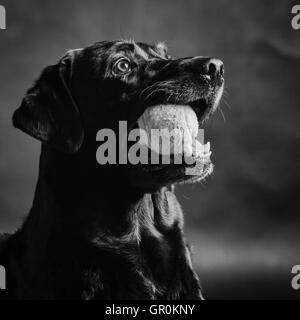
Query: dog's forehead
[[158, 50], [139, 50]]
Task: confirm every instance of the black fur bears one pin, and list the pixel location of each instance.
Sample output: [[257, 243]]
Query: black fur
[[113, 231]]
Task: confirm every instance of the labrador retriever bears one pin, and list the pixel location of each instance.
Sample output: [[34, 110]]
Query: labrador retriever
[[110, 231]]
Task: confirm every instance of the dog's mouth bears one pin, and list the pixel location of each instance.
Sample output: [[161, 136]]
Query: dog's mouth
[[179, 127], [188, 158]]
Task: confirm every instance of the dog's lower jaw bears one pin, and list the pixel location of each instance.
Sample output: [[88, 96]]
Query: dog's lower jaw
[[152, 180]]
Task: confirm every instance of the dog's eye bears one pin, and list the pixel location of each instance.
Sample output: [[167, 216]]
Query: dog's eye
[[122, 67]]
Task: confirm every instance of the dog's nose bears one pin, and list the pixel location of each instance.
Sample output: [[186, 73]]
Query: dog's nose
[[213, 67]]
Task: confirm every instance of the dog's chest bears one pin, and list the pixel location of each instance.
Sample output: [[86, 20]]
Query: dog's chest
[[129, 273], [141, 261]]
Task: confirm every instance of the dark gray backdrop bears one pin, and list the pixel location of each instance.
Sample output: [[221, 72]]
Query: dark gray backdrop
[[244, 220]]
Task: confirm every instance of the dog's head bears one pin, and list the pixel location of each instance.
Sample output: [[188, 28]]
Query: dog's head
[[96, 87]]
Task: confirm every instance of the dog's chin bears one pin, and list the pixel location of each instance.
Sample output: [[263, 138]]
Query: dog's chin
[[152, 177]]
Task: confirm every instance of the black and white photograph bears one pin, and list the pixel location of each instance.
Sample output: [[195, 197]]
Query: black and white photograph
[[149, 151]]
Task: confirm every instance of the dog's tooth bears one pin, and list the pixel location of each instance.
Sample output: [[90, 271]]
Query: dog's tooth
[[188, 144], [207, 147], [199, 148], [205, 156]]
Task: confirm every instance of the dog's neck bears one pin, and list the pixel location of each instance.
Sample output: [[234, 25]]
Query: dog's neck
[[89, 202]]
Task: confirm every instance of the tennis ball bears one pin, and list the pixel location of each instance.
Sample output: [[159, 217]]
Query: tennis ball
[[166, 118]]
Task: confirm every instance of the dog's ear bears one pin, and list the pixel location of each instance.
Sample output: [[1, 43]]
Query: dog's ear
[[48, 111]]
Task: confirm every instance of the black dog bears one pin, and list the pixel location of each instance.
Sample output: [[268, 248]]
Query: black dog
[[113, 231]]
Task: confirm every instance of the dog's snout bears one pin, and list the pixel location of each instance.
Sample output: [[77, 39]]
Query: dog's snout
[[207, 66], [213, 67]]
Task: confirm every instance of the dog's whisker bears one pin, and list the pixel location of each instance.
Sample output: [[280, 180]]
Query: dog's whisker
[[225, 92], [186, 197], [153, 92], [170, 96], [226, 103], [147, 88], [163, 84], [223, 116]]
